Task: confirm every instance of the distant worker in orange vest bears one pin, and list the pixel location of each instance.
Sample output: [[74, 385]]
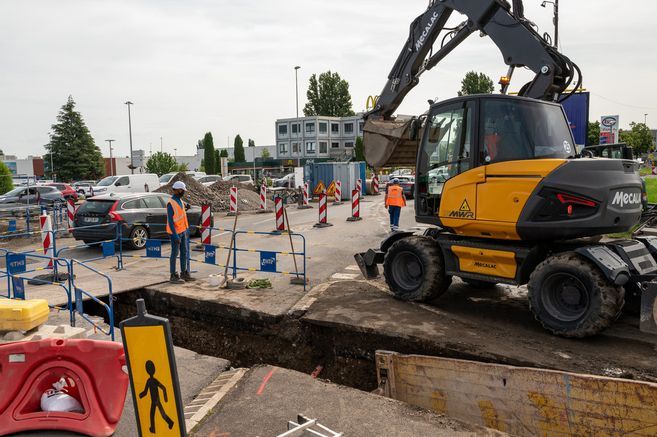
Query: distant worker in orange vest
[[395, 200], [178, 230]]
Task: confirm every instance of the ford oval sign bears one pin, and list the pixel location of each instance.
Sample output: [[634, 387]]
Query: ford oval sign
[[609, 121]]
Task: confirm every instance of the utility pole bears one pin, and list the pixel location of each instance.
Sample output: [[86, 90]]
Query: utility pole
[[132, 167], [296, 81], [111, 159], [645, 119], [161, 149]]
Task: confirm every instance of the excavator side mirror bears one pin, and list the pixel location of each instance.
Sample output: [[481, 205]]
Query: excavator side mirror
[[413, 129]]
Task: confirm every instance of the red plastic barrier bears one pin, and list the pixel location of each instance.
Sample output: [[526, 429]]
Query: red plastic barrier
[[28, 369]]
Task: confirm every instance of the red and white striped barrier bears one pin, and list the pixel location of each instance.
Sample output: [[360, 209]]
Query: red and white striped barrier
[[359, 185], [305, 204], [355, 206], [46, 238], [70, 210], [206, 214], [280, 221], [233, 201], [375, 185], [338, 193], [263, 197], [323, 211]]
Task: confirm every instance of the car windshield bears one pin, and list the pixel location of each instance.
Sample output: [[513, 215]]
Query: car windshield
[[15, 192], [96, 206], [109, 180], [166, 177]]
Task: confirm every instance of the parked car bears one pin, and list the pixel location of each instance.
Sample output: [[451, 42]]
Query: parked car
[[42, 194], [241, 178], [166, 178], [209, 180], [285, 181], [407, 183], [67, 191], [129, 183], [84, 187], [141, 216]]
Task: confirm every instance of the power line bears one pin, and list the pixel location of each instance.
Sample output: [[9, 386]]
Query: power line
[[624, 104]]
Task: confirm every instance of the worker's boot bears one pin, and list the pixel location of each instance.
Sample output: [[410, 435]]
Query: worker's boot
[[175, 279], [185, 276]]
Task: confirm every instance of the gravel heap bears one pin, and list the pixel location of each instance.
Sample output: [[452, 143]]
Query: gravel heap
[[218, 194]]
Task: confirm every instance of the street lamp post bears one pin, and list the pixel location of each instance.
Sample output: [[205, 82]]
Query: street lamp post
[[111, 159], [296, 81], [132, 167], [555, 20], [645, 119]]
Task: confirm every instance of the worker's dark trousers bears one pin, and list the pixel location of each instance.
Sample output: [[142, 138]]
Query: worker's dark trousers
[[179, 245], [395, 212]]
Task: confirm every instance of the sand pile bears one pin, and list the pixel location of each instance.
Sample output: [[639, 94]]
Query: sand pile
[[218, 194]]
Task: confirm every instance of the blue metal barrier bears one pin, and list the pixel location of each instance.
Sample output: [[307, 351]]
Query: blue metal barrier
[[80, 293], [108, 246]]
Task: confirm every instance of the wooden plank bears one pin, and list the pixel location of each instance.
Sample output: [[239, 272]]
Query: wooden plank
[[523, 401]]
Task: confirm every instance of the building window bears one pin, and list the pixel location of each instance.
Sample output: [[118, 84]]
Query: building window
[[310, 147], [335, 128], [360, 126], [310, 128], [282, 148], [296, 148], [323, 147], [348, 128], [323, 127], [282, 130], [295, 128], [335, 145], [349, 144]]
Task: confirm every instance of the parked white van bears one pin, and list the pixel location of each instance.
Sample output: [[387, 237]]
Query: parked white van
[[128, 183]]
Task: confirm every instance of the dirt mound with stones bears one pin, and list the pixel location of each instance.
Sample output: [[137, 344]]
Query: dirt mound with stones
[[217, 195]]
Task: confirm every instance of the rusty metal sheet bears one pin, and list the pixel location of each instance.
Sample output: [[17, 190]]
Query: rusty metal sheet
[[521, 401]]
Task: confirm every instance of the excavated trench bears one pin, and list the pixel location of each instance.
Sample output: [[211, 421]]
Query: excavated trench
[[346, 356]]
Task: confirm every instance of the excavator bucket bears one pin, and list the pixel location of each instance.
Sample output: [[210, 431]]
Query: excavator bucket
[[389, 143]]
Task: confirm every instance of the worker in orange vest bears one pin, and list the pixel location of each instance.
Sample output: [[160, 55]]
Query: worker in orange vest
[[178, 230], [395, 200]]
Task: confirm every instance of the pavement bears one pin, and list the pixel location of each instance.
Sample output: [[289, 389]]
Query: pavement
[[267, 397]]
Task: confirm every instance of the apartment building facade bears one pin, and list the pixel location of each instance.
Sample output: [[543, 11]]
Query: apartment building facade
[[318, 137]]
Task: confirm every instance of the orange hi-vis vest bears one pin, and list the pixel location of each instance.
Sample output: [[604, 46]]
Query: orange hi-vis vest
[[180, 222], [395, 196]]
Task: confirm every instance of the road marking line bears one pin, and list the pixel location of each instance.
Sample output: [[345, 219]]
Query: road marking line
[[344, 275], [265, 380]]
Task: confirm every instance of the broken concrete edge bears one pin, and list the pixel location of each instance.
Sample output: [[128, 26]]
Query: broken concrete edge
[[234, 376], [303, 304]]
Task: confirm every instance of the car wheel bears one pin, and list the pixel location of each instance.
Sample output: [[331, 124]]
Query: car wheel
[[138, 237]]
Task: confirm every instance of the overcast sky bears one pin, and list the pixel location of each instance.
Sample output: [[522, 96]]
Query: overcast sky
[[227, 66]]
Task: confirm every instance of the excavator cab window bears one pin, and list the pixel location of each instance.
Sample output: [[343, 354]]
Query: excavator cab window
[[446, 152]]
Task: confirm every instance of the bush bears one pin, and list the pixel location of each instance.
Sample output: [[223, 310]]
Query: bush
[[6, 181]]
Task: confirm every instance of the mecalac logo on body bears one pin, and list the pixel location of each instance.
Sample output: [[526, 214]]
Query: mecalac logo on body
[[420, 42], [623, 199]]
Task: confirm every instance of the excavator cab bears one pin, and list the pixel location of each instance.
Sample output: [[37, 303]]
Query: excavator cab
[[463, 135]]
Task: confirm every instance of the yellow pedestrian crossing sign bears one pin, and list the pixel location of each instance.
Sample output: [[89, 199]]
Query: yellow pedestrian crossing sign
[[153, 375]]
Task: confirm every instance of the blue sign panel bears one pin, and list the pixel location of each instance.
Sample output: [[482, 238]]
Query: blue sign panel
[[210, 254], [268, 261], [153, 248], [108, 248], [577, 111], [12, 226], [16, 263], [19, 288]]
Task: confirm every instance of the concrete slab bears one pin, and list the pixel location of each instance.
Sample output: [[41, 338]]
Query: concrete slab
[[484, 325], [267, 397]]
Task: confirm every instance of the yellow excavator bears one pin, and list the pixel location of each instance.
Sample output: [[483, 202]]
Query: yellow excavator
[[499, 179]]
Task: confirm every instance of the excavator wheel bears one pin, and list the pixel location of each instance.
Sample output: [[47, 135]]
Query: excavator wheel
[[415, 270], [570, 297]]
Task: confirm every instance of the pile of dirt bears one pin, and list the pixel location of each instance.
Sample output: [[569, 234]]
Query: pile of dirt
[[217, 195]]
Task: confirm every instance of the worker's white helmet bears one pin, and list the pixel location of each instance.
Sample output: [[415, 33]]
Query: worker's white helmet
[[179, 185]]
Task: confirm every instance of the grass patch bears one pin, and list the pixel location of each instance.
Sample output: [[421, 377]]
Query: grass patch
[[651, 189], [645, 171]]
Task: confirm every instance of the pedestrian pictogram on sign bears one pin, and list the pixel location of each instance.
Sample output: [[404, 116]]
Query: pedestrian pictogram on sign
[[330, 190], [153, 374]]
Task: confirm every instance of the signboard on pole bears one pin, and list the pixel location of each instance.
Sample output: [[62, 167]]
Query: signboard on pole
[[609, 125], [153, 374], [576, 108], [224, 166]]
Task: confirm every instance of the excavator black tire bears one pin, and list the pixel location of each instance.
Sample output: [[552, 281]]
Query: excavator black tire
[[571, 297], [479, 285], [414, 269]]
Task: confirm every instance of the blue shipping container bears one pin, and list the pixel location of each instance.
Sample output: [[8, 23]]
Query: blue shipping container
[[322, 172]]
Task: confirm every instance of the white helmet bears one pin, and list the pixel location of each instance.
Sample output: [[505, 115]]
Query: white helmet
[[179, 185]]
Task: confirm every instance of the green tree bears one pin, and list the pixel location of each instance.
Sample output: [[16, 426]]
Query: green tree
[[74, 153], [251, 143], [208, 154], [328, 96], [223, 153], [181, 167], [265, 154], [593, 133], [239, 149], [476, 83], [6, 182], [358, 149], [161, 163], [638, 137]]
